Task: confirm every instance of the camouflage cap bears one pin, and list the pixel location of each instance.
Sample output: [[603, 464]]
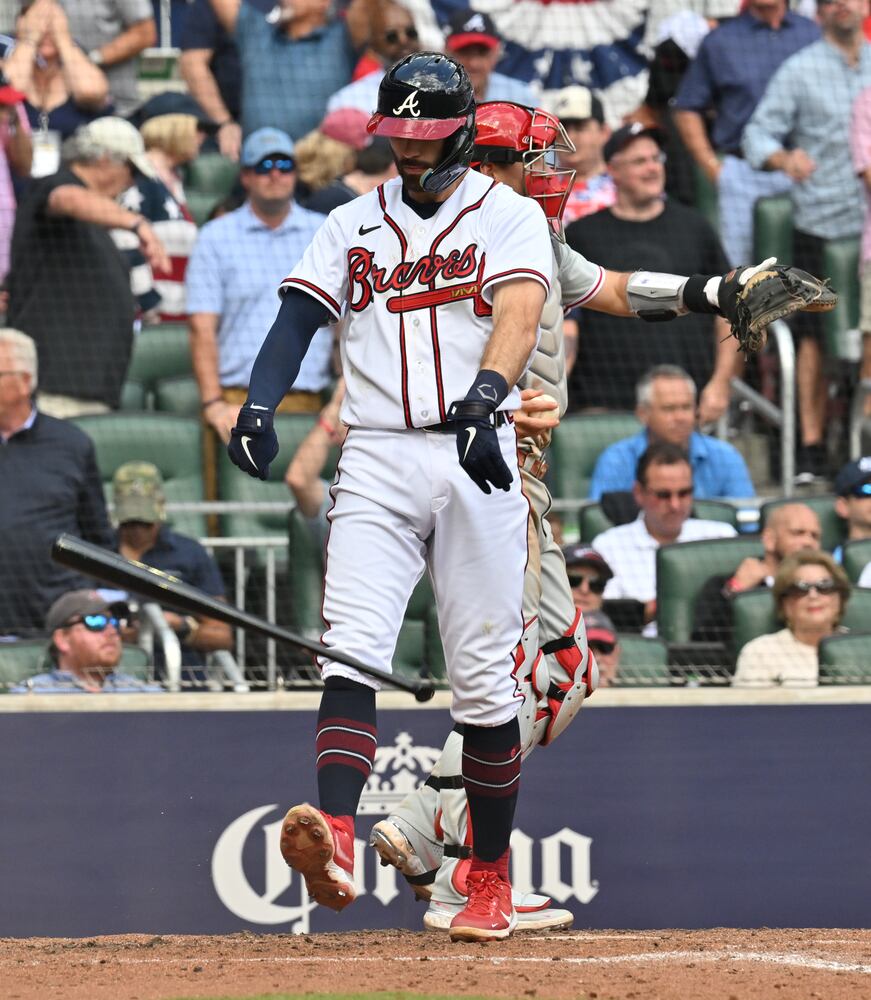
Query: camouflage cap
[[137, 491]]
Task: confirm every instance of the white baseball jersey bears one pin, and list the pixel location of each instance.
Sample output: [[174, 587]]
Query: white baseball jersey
[[418, 293]]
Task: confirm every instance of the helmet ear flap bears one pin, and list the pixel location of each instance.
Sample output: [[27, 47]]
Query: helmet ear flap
[[455, 161]]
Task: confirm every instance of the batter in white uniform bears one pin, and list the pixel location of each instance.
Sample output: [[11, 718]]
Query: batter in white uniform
[[443, 274]]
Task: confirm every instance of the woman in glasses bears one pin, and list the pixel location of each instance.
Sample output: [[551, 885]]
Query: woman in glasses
[[810, 594]]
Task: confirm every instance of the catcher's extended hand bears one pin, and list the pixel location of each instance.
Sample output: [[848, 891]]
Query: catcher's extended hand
[[752, 297]]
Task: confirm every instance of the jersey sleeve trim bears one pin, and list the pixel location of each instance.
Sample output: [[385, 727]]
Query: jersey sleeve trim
[[600, 280], [314, 291], [517, 272]]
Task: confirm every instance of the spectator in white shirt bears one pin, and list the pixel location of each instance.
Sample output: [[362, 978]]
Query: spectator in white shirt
[[663, 490]]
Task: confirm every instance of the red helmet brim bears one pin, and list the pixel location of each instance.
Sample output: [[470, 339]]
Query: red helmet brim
[[414, 128]]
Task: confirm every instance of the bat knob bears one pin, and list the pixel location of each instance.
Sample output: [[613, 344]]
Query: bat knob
[[424, 693]]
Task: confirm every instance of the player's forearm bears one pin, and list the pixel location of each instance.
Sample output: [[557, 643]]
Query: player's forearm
[[517, 309], [278, 361], [139, 36]]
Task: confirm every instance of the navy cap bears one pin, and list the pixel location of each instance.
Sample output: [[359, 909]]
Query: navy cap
[[627, 134], [852, 477], [580, 554]]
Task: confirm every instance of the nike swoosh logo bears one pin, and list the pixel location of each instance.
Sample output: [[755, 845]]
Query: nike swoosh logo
[[362, 231], [505, 916], [471, 432], [245, 441]]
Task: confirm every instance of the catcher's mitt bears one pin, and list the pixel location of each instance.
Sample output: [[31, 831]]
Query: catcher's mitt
[[752, 297]]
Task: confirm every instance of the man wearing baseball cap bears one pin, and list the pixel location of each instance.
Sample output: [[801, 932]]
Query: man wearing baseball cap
[[85, 650], [69, 288], [16, 149], [852, 488], [588, 573], [643, 225], [583, 117], [237, 263], [143, 535], [473, 40]]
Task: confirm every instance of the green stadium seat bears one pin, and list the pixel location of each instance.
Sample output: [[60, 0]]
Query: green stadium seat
[[772, 228], [27, 657], [707, 201], [846, 659], [716, 510], [754, 613], [841, 264], [160, 352], [833, 527], [200, 204], [577, 444], [133, 397], [171, 443], [643, 662], [681, 572], [593, 521], [233, 484], [211, 173], [857, 555], [305, 573], [179, 395]]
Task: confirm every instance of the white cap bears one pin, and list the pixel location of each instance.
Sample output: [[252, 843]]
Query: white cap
[[116, 137]]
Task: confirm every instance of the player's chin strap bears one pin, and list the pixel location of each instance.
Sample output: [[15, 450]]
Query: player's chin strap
[[563, 676]]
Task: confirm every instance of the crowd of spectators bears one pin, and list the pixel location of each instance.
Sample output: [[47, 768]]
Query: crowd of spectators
[[98, 244]]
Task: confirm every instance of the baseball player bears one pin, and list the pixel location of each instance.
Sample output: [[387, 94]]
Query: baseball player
[[428, 838], [442, 273]]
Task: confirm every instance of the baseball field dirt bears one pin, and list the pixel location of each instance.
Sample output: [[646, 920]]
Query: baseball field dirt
[[718, 964]]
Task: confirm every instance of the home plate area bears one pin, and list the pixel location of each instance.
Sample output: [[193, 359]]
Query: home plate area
[[611, 965]]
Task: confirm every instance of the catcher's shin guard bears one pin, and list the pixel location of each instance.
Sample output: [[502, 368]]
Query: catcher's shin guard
[[526, 658], [565, 675]]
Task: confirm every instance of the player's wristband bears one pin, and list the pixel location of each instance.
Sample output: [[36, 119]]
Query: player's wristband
[[695, 296], [489, 387]]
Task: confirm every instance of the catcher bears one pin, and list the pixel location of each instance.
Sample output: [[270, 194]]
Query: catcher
[[427, 838]]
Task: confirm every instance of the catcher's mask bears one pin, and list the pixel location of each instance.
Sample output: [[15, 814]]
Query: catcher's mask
[[428, 95], [512, 133]]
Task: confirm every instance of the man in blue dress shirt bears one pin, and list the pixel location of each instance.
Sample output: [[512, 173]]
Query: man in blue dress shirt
[[666, 405]]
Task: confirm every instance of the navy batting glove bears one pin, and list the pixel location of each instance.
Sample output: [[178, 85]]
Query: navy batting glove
[[478, 445], [253, 442]]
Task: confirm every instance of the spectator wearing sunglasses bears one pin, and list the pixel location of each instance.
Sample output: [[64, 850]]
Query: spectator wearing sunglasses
[[397, 39], [602, 640], [852, 487], [810, 594], [588, 574], [85, 650], [663, 490], [666, 405], [236, 264]]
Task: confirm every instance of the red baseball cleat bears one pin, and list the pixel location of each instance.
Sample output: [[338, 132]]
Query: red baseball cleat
[[489, 914], [321, 849]]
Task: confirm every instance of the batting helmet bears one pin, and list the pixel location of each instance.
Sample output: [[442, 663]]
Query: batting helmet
[[428, 95], [512, 133]]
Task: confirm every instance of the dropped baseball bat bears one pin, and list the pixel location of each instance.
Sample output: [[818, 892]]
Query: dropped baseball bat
[[137, 578]]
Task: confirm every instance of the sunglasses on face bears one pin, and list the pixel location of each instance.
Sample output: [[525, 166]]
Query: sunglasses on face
[[687, 491], [94, 623], [595, 583], [803, 587], [598, 646], [284, 165], [862, 490], [394, 36]]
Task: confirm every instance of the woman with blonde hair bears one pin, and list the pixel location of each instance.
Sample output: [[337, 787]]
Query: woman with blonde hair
[[810, 593], [173, 128], [320, 159]]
